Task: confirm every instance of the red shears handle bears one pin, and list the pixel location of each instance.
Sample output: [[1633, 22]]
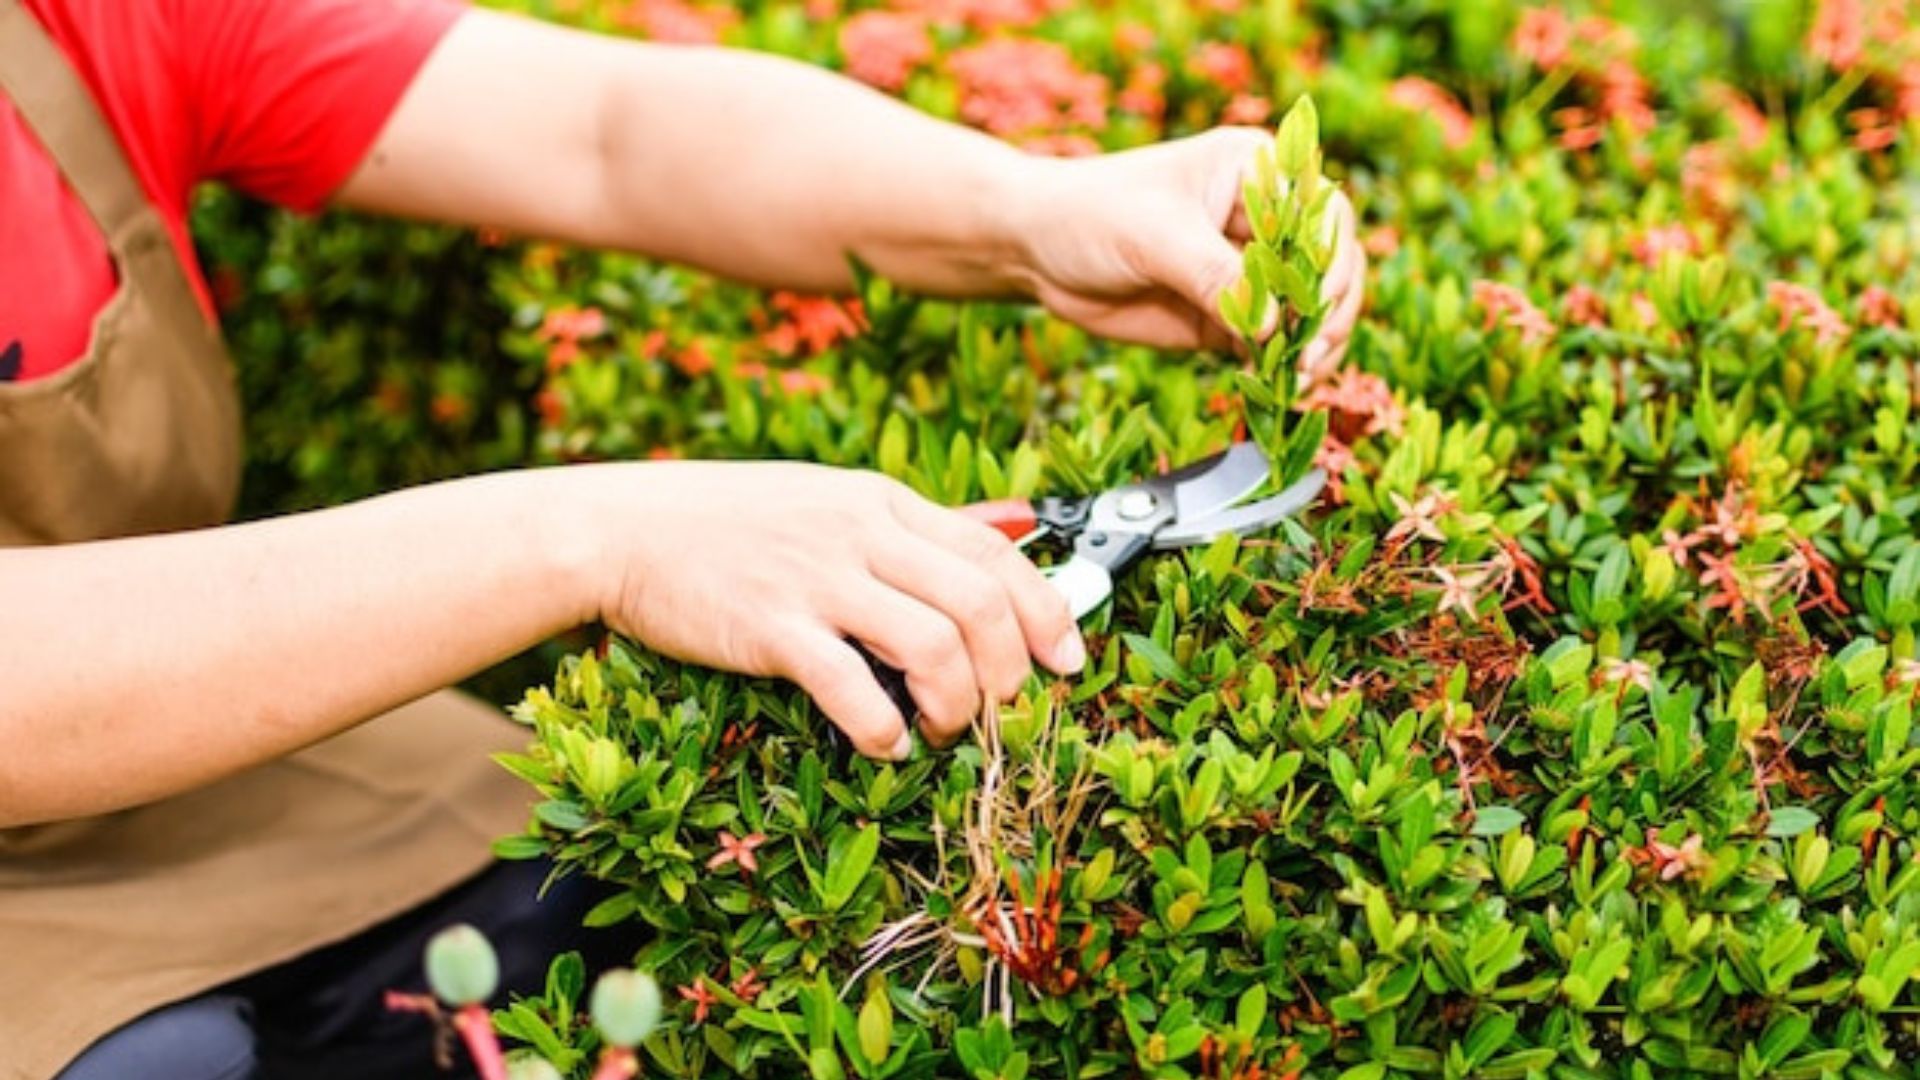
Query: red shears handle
[[1013, 517]]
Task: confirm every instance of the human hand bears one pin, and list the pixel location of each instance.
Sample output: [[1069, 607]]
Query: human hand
[[767, 569], [1138, 245]]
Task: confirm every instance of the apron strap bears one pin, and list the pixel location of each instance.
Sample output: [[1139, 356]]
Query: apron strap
[[61, 109]]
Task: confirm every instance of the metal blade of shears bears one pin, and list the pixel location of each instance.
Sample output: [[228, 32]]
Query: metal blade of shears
[[1215, 483], [1252, 517]]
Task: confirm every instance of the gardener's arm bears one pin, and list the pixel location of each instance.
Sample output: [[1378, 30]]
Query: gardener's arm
[[138, 668], [772, 172]]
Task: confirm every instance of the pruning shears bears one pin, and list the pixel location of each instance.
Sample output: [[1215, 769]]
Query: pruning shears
[[1110, 531]]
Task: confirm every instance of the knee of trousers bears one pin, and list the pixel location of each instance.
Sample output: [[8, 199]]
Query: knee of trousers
[[207, 1038]]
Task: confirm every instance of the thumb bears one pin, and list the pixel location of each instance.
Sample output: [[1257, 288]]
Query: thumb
[[1194, 260]]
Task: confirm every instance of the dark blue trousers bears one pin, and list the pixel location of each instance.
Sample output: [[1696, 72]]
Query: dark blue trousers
[[322, 1015]]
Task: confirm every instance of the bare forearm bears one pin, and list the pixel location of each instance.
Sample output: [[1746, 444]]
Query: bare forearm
[[775, 173], [139, 668], [749, 165]]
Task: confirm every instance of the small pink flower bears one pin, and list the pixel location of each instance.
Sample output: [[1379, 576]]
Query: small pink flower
[[1630, 672], [1507, 306], [1458, 593], [1420, 518], [738, 851], [1801, 306], [1677, 546]]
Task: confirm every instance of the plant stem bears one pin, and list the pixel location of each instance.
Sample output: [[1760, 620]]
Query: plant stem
[[476, 1031]]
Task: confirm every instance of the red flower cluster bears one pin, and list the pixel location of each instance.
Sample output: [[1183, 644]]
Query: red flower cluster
[[1838, 35], [1801, 306], [883, 47], [1027, 89], [564, 328], [985, 15], [676, 22], [812, 324]]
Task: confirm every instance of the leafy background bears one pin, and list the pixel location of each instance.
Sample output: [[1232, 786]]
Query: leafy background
[[1570, 736]]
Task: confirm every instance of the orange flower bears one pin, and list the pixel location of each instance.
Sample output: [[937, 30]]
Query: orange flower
[[693, 361], [1872, 130], [813, 324], [1226, 65], [1749, 123], [1144, 93], [1509, 307], [1838, 35], [1416, 94], [1381, 241], [883, 47], [1801, 306], [703, 999], [1907, 94], [1543, 37], [564, 328], [1249, 109], [1624, 96], [1878, 307], [1358, 404], [1706, 180], [1584, 307]]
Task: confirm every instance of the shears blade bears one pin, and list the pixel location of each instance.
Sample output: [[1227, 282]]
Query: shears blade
[[1187, 531]]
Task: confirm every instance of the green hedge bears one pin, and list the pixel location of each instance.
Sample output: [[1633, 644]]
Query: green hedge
[[1572, 736]]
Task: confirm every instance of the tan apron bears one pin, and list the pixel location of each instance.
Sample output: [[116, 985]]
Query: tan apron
[[106, 918]]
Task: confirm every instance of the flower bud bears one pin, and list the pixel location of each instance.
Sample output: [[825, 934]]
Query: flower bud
[[531, 1068], [625, 1006], [461, 966]]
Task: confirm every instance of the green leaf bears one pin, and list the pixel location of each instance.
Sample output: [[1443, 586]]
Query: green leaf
[[1495, 820], [848, 861], [1791, 821]]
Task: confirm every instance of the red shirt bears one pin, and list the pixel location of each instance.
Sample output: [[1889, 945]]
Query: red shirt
[[279, 98]]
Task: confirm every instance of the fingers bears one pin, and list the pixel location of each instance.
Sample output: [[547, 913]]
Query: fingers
[[1039, 611], [840, 682], [1192, 258], [925, 643]]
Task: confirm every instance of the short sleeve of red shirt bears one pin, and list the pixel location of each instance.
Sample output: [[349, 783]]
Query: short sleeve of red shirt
[[279, 98]]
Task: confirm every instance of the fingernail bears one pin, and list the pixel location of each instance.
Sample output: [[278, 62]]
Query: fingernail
[[1070, 653], [902, 747]]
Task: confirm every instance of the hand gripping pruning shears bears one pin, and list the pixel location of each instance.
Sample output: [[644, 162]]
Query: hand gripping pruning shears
[[1110, 531]]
